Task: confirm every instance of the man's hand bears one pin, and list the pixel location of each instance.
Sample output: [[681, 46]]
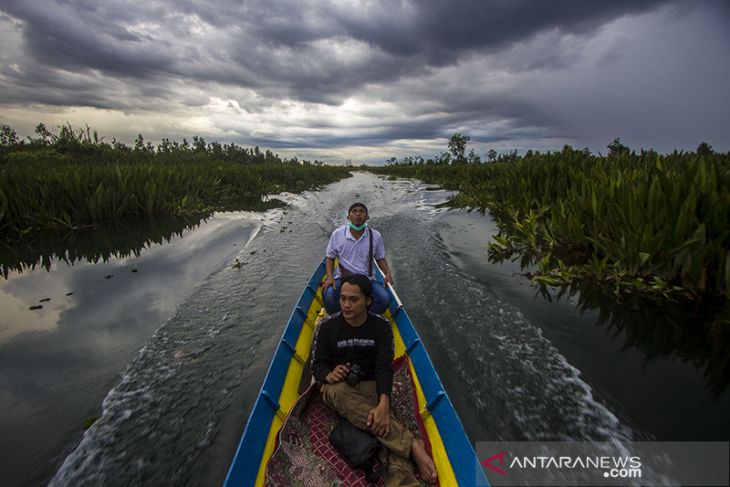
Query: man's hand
[[379, 418], [337, 374], [327, 283], [387, 279]]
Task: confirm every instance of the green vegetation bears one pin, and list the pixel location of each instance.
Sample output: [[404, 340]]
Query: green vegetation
[[74, 179], [647, 223]]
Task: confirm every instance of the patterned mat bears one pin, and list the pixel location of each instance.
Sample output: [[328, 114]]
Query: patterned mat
[[304, 455]]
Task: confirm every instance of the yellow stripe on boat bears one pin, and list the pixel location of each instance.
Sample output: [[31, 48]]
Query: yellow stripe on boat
[[438, 452], [290, 390]]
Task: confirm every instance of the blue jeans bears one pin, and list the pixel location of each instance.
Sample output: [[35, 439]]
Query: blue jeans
[[381, 298]]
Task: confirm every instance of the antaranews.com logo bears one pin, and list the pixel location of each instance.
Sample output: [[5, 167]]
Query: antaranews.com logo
[[604, 463], [612, 466]]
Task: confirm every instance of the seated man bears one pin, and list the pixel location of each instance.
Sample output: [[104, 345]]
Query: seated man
[[355, 337], [355, 245]]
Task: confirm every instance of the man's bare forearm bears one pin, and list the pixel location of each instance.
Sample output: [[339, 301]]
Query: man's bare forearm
[[383, 264]]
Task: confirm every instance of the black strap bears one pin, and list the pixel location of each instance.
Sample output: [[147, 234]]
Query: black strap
[[370, 255]]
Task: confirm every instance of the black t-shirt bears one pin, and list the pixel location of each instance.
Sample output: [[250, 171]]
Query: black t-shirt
[[369, 345]]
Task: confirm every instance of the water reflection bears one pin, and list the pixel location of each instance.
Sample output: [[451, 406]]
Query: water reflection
[[109, 289], [100, 243], [699, 334], [119, 239]]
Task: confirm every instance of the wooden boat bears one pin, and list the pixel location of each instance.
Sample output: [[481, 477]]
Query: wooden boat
[[288, 377]]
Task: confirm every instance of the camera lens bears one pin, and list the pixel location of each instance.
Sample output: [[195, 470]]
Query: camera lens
[[353, 376]]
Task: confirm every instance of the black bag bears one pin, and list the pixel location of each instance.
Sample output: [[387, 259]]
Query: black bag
[[359, 448]]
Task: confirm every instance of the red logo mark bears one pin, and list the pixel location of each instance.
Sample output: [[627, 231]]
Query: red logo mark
[[499, 455]]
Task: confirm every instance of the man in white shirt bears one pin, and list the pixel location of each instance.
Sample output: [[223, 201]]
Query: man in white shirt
[[355, 245]]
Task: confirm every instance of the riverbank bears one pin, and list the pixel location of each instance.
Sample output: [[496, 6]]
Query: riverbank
[[72, 180], [631, 223]]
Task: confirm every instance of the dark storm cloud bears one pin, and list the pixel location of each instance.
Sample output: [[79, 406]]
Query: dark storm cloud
[[406, 37], [272, 45], [443, 28], [438, 66], [78, 37]]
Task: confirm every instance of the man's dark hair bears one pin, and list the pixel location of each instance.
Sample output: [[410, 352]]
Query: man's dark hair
[[357, 205], [360, 281]]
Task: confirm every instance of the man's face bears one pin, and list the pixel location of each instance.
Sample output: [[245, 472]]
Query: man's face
[[357, 215], [353, 302]]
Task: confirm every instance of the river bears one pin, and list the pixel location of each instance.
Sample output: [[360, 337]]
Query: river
[[168, 345]]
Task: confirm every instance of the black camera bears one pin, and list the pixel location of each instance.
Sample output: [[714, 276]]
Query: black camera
[[353, 376]]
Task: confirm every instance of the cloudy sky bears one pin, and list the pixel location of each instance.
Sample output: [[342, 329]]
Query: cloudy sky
[[367, 79]]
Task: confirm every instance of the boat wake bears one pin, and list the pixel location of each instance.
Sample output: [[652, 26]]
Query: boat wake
[[163, 414]]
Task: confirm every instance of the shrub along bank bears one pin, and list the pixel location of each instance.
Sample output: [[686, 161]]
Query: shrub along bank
[[73, 179], [649, 223]]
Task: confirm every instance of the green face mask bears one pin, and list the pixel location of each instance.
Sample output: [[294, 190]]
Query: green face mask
[[358, 228]]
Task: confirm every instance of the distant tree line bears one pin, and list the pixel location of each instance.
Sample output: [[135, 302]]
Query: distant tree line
[[86, 144], [457, 154]]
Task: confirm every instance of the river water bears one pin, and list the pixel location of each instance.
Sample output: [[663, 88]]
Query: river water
[[170, 358]]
